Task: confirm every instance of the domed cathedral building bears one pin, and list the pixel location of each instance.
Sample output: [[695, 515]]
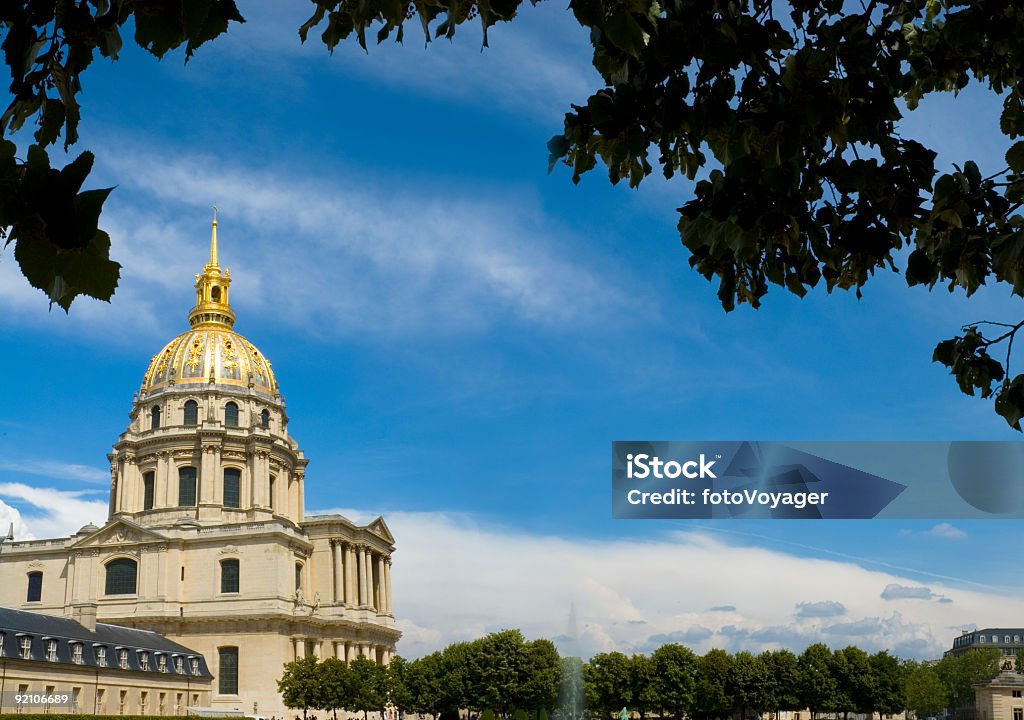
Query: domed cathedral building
[[206, 542]]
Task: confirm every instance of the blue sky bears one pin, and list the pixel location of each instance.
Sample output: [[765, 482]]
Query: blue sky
[[460, 336]]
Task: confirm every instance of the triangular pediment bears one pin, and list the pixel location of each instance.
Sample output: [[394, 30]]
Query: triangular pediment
[[379, 527], [119, 532]]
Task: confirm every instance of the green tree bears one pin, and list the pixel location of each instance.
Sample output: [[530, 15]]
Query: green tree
[[959, 673], [334, 685], [711, 695], [747, 685], [925, 693], [676, 670], [888, 684], [300, 684], [368, 685], [607, 683], [787, 112], [425, 680], [818, 688], [455, 677], [497, 665], [783, 679], [643, 688], [851, 668], [396, 679], [540, 677]]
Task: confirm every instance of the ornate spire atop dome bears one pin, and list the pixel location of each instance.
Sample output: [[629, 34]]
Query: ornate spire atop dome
[[213, 242], [212, 306]]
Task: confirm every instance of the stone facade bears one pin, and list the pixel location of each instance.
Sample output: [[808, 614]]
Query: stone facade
[[1002, 697], [206, 541]]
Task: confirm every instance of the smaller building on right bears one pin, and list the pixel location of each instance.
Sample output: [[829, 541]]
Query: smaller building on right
[[1001, 697], [1007, 640]]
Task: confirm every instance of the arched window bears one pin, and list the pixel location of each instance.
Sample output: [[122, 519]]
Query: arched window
[[186, 487], [232, 487], [298, 577], [231, 415], [215, 294], [271, 491], [229, 576], [265, 419], [35, 587], [191, 412], [148, 483], [121, 576], [154, 417]]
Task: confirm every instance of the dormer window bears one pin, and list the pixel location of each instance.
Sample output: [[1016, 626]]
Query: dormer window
[[25, 644], [179, 665], [76, 654], [161, 663], [122, 659], [194, 663], [144, 660], [51, 650], [101, 655]]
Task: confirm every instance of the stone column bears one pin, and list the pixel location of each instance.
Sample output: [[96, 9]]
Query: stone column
[[293, 496], [339, 571], [125, 483], [259, 479], [351, 588], [368, 569], [208, 474], [295, 648], [388, 608], [70, 594], [361, 575], [162, 491], [114, 488], [339, 650], [382, 597]]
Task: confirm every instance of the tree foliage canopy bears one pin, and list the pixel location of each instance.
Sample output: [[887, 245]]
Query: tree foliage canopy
[[784, 114]]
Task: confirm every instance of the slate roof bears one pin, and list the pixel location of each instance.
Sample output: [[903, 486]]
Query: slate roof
[[18, 624]]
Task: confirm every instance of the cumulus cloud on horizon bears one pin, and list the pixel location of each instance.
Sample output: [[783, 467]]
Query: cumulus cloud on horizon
[[821, 609]]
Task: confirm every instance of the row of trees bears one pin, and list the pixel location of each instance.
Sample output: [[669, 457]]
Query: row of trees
[[504, 674]]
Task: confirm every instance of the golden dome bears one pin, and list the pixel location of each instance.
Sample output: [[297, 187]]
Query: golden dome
[[211, 352], [208, 354]]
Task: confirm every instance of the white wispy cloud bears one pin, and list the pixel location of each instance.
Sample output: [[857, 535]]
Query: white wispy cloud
[[947, 530], [56, 470], [534, 67], [342, 256], [48, 512]]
